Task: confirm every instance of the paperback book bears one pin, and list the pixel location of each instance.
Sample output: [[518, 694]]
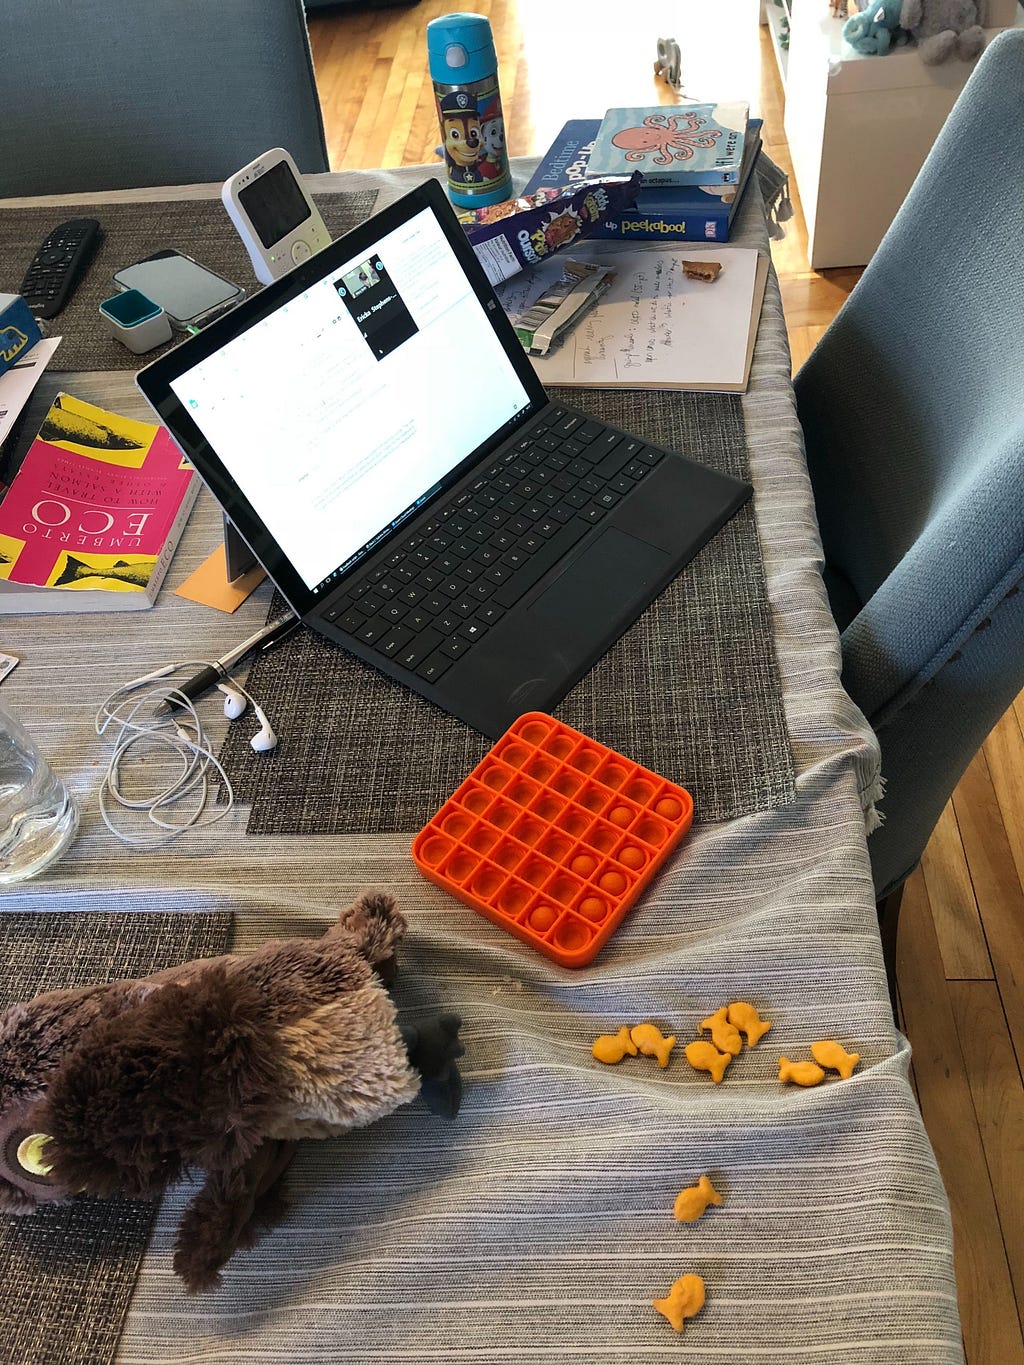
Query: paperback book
[[679, 144], [94, 514], [683, 213]]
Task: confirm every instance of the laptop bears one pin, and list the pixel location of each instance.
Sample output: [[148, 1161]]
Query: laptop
[[375, 432]]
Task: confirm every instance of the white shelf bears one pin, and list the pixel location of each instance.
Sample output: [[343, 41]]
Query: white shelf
[[774, 14]]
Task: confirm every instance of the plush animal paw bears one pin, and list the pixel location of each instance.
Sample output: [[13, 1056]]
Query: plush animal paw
[[433, 1049]]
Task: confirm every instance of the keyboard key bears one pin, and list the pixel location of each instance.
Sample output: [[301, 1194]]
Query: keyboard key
[[351, 621], [472, 630], [394, 611], [455, 647], [422, 645], [372, 630], [435, 667], [489, 613], [394, 641]]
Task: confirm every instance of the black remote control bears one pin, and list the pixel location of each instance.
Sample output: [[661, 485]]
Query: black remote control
[[59, 264]]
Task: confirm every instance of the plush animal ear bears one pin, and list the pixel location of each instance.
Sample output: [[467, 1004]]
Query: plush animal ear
[[188, 1077], [377, 926]]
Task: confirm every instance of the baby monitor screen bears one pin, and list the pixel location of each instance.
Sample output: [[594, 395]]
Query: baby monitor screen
[[275, 204], [340, 412]]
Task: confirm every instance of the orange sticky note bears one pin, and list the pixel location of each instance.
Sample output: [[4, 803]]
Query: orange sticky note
[[209, 584]]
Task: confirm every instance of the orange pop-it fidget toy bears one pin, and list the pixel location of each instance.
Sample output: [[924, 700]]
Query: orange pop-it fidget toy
[[553, 837]]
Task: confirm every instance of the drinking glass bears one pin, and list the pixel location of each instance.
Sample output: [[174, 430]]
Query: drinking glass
[[38, 818]]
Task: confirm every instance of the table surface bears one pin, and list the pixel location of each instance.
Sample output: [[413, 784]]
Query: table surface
[[537, 1227]]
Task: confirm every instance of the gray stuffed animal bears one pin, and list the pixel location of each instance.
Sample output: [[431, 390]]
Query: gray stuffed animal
[[945, 28]]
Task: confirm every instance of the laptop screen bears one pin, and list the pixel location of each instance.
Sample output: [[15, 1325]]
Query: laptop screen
[[341, 410]]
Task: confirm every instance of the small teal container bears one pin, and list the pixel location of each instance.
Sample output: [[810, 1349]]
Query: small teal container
[[464, 70], [136, 321]]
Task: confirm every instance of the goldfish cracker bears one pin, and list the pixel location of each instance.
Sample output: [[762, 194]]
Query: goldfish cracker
[[684, 1300], [835, 1057], [611, 1048], [724, 1035], [691, 1202], [706, 1057], [746, 1019], [652, 1043], [800, 1073]]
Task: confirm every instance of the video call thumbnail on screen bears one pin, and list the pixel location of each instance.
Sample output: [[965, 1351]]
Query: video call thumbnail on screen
[[376, 306]]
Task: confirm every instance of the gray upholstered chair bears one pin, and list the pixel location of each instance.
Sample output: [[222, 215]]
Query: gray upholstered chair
[[101, 95], [912, 406]]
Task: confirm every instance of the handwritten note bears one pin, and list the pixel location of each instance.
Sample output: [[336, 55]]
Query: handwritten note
[[655, 328]]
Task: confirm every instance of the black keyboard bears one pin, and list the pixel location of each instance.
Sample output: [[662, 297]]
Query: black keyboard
[[439, 591]]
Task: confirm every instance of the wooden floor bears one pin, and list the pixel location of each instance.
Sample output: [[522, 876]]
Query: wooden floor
[[961, 951]]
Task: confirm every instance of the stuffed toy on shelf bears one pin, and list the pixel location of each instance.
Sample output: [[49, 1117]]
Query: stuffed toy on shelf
[[876, 28], [945, 28], [219, 1065]]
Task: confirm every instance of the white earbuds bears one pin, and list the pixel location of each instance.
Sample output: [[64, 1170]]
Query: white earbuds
[[165, 717], [234, 702], [265, 739]]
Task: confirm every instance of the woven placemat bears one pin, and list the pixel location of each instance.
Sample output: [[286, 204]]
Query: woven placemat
[[67, 1272], [691, 691], [200, 228]]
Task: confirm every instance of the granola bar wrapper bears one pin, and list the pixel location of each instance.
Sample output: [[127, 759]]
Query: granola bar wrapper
[[512, 236]]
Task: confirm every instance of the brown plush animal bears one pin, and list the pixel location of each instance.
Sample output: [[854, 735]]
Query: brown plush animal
[[220, 1064]]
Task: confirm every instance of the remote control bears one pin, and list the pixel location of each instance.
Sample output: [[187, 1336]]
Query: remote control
[[59, 264]]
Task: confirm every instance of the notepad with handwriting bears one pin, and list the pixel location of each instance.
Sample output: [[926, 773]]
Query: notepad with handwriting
[[655, 327]]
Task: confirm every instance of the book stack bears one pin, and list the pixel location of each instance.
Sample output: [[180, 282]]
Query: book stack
[[94, 514], [689, 198]]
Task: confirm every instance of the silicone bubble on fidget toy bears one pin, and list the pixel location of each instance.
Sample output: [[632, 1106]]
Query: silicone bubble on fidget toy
[[553, 837]]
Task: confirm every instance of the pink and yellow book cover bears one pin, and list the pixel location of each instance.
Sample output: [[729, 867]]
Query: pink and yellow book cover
[[94, 503]]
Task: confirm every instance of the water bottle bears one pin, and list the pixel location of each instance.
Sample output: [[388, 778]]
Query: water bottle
[[38, 818], [464, 69]]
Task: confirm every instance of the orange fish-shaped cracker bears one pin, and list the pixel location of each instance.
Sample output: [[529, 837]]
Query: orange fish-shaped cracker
[[746, 1018], [835, 1057], [684, 1300], [706, 1057], [612, 1047], [652, 1043], [724, 1035], [800, 1073], [691, 1202]]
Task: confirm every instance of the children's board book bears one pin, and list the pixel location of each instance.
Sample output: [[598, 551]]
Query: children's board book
[[93, 516], [680, 213], [673, 144]]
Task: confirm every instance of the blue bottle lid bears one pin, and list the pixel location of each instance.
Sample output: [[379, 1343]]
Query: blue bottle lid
[[460, 48]]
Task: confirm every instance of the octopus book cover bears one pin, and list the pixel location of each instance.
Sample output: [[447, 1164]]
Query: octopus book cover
[[673, 144], [92, 518]]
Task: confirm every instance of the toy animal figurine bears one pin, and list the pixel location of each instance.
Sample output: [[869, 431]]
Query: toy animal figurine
[[945, 28], [876, 28], [838, 9], [221, 1064]]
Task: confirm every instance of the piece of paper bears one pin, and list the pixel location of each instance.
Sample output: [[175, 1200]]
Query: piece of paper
[[17, 383], [209, 584], [654, 328]]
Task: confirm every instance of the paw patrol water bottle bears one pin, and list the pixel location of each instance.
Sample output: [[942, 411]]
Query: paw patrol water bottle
[[464, 69]]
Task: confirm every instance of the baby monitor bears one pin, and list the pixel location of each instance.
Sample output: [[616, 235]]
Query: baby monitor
[[274, 215]]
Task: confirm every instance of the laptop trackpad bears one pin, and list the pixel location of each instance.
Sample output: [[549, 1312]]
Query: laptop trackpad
[[589, 597]]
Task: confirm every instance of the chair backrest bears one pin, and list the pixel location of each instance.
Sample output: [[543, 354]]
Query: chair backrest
[[912, 406], [101, 95]]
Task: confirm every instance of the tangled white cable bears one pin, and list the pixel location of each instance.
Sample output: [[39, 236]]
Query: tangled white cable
[[168, 722]]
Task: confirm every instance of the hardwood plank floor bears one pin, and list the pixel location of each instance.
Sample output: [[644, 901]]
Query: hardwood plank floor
[[961, 964]]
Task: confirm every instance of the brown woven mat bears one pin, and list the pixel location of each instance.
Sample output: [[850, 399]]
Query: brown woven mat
[[200, 228], [67, 1272]]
